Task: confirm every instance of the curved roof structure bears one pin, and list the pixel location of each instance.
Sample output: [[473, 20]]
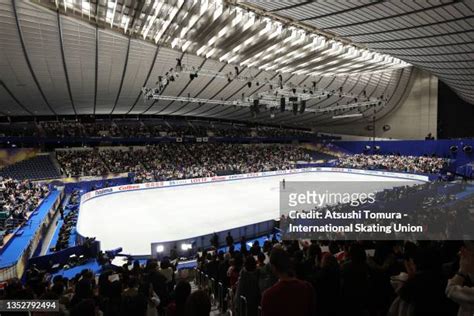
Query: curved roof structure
[[74, 57], [434, 35]]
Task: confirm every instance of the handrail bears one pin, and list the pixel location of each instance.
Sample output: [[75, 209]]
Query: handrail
[[220, 297], [243, 306]]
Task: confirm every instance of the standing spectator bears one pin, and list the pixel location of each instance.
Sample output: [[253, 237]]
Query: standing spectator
[[247, 286], [289, 296], [181, 294], [198, 304], [229, 240], [356, 282]]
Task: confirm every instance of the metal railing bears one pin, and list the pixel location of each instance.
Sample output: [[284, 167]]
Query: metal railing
[[243, 306], [223, 297]]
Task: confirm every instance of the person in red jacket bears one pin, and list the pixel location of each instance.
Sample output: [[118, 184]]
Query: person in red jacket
[[289, 296]]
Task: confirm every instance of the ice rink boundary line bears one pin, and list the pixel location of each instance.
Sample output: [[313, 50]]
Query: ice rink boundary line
[[246, 178]]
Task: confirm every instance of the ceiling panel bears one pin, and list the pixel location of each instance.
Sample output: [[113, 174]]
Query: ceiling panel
[[43, 46], [79, 40], [111, 62]]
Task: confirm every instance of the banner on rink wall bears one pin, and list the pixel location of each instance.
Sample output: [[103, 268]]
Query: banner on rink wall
[[171, 183]]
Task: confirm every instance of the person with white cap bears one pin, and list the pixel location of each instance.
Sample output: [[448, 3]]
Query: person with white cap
[[460, 288]]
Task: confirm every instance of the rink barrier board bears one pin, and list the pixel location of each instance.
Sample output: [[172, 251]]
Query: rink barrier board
[[250, 230], [174, 183]]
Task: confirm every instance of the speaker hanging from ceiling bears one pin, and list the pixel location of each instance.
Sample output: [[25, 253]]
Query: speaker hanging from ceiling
[[282, 104], [295, 108], [293, 99]]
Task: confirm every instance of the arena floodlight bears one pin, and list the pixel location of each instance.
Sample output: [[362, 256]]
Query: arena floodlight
[[346, 116], [186, 247], [160, 248]]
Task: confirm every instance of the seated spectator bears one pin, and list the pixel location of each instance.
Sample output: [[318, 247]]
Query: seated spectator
[[460, 288]]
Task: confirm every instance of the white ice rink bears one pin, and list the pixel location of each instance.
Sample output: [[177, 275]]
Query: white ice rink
[[133, 220]]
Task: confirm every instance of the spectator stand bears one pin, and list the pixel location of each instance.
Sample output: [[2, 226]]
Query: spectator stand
[[28, 237], [443, 148]]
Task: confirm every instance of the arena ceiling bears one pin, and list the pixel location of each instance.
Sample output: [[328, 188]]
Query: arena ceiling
[[434, 35], [73, 57]]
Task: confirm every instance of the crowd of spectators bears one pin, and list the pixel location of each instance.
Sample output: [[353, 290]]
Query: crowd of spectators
[[345, 278], [159, 128], [81, 163], [69, 220], [17, 200], [178, 161], [443, 209], [298, 278], [415, 164], [145, 129], [149, 290]]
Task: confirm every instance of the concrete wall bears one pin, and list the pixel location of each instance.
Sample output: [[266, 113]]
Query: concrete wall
[[414, 118]]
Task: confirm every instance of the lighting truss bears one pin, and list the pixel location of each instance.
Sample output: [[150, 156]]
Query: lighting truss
[[275, 88], [248, 102]]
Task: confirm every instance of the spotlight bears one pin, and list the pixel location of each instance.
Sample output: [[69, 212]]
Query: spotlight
[[186, 247], [160, 248], [467, 149], [454, 149]]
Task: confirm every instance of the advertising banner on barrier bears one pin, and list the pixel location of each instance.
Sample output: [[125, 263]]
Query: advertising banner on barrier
[[171, 183]]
